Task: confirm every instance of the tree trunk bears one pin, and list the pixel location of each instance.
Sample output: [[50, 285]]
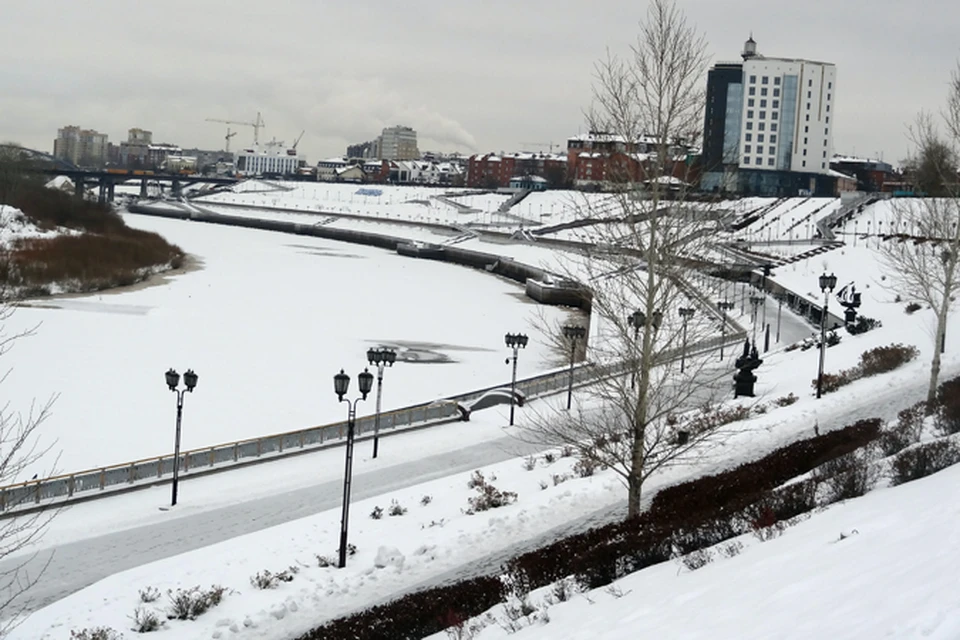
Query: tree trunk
[[942, 313]]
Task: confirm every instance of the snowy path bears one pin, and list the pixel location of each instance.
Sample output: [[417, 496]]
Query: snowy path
[[76, 565]]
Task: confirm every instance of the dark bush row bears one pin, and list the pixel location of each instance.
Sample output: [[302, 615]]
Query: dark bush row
[[948, 407], [682, 519], [50, 208]]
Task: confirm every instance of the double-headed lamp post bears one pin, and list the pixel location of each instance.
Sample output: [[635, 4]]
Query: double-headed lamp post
[[572, 333], [173, 381], [380, 358], [341, 382], [638, 320], [515, 341], [685, 313], [827, 283], [724, 306]]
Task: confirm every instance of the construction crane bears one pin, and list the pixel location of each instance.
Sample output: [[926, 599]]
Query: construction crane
[[226, 138], [549, 145], [297, 141], [256, 124]]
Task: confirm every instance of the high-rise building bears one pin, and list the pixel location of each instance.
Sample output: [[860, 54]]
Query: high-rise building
[[767, 125], [84, 147], [398, 143]]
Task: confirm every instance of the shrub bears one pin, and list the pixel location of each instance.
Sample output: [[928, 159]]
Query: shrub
[[884, 359], [187, 604], [145, 620], [489, 498], [96, 633], [585, 467], [566, 451], [425, 500], [149, 594], [785, 401], [863, 324], [530, 463], [830, 382], [947, 417], [911, 308], [377, 513], [833, 338], [266, 579], [396, 509], [894, 440], [549, 457], [923, 460], [697, 559], [849, 476], [476, 480]]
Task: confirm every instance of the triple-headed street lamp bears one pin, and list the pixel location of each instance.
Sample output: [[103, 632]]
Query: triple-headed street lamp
[[515, 341], [685, 313], [827, 283], [724, 307], [190, 382], [572, 333], [638, 320], [341, 382], [380, 358]]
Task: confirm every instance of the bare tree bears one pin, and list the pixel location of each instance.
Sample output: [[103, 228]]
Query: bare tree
[[22, 524], [923, 257], [646, 238]]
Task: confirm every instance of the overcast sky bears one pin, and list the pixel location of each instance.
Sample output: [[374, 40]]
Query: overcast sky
[[468, 75]]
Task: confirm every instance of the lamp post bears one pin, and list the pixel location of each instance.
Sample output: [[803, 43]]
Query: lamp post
[[638, 320], [173, 381], [515, 341], [381, 358], [686, 313], [572, 333], [779, 311], [827, 283], [755, 301], [724, 306], [341, 382]]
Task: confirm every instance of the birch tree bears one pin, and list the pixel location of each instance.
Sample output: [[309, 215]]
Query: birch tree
[[922, 258], [645, 237]]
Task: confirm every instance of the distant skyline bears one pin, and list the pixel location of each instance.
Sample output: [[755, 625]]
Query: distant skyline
[[469, 77]]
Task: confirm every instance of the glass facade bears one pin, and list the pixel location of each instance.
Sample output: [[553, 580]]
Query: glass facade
[[731, 123], [788, 118]]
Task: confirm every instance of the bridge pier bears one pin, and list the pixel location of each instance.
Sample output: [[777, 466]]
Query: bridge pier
[[102, 192], [176, 189], [78, 187], [143, 188]]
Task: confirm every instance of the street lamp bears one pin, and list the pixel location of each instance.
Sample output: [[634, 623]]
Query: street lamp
[[515, 341], [381, 358], [686, 313], [755, 301], [638, 320], [724, 307], [572, 333], [190, 382], [827, 283], [341, 382]]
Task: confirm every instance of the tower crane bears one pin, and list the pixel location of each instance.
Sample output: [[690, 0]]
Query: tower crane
[[226, 138], [256, 124]]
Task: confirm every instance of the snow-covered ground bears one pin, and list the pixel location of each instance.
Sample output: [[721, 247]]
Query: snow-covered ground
[[437, 538]]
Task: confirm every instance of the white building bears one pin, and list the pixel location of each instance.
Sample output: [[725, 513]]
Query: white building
[[398, 143], [787, 108], [768, 126], [269, 159]]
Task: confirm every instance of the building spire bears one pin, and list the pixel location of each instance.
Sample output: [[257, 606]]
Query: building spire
[[749, 48]]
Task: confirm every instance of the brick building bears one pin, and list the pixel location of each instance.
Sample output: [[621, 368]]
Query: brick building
[[493, 171]]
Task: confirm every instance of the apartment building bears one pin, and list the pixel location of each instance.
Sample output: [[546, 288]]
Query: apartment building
[[82, 147]]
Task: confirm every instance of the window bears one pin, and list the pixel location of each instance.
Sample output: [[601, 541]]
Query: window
[[773, 138], [761, 126], [753, 79], [804, 163], [824, 143], [750, 102], [763, 115], [823, 165], [810, 83], [763, 91], [804, 152], [805, 141], [759, 137], [808, 106], [763, 104], [824, 154], [828, 119], [776, 92], [771, 150], [809, 95], [749, 126], [776, 104], [769, 162], [749, 114], [776, 81], [806, 129], [829, 85], [747, 148], [764, 80], [828, 108], [808, 117], [753, 91], [828, 96], [826, 132], [773, 125], [773, 116], [748, 137]]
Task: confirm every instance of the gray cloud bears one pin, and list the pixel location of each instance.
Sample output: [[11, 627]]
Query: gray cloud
[[469, 76]]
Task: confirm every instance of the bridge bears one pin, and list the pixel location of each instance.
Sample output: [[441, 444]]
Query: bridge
[[105, 179]]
